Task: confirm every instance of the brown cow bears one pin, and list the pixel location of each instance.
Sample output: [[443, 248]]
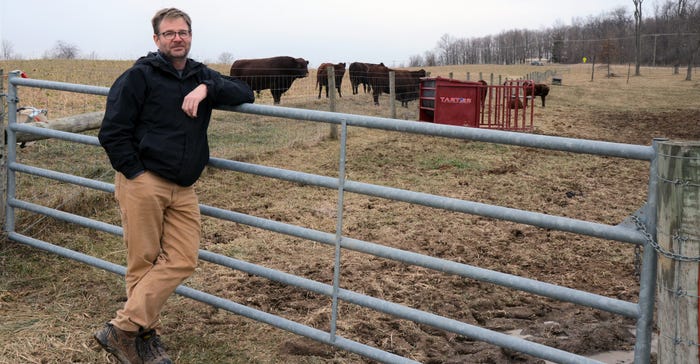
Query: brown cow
[[484, 92], [515, 104], [275, 73], [540, 89], [358, 76], [407, 83], [322, 77]]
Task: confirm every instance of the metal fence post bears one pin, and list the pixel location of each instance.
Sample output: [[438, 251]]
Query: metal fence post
[[3, 152], [678, 237], [647, 276], [10, 151]]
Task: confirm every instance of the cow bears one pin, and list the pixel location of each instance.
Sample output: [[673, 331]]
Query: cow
[[484, 92], [358, 76], [515, 104], [275, 73], [539, 89], [322, 77], [407, 83]]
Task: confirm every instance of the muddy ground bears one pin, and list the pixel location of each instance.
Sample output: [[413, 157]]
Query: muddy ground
[[599, 189]]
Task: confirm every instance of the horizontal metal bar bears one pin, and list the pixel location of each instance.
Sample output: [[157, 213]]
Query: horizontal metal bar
[[273, 320], [65, 216], [63, 177], [619, 233], [62, 86], [53, 133], [293, 327], [451, 325], [595, 147], [524, 284], [67, 253]]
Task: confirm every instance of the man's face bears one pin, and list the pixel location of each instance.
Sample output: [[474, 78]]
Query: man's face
[[178, 46]]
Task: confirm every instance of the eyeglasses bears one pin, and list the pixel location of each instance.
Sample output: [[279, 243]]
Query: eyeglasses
[[170, 35]]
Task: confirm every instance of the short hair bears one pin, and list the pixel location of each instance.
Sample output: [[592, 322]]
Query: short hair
[[170, 13]]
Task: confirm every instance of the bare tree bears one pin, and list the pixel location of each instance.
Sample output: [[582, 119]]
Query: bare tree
[[430, 59], [611, 37], [446, 48], [226, 58], [637, 35], [63, 50], [680, 14], [694, 38], [7, 49], [415, 61]]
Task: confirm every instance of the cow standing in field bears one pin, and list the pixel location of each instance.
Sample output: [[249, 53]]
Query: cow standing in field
[[484, 92], [407, 83], [539, 89], [322, 77], [275, 73], [358, 76]]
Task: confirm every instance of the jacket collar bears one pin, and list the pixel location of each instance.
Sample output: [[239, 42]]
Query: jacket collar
[[158, 60]]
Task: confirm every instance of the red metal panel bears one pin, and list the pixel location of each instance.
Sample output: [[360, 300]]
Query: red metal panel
[[507, 107], [448, 101]]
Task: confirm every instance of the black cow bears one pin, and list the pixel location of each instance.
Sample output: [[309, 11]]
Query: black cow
[[358, 76], [275, 73], [406, 83], [322, 77], [539, 89]]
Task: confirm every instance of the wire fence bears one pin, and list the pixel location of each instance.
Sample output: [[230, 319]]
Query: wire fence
[[303, 92]]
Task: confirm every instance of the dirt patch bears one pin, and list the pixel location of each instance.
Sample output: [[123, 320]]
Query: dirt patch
[[594, 265]]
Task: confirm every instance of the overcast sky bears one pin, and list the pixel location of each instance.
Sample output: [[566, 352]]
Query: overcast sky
[[388, 31]]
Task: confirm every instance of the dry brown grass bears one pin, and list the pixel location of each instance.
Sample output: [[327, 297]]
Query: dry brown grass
[[50, 305]]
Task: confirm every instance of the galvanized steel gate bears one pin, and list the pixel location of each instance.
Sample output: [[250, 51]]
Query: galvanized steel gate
[[642, 312]]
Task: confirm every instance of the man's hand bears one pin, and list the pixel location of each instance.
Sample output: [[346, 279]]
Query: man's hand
[[192, 100]]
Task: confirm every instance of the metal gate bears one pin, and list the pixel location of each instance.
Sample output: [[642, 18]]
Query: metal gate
[[642, 311]]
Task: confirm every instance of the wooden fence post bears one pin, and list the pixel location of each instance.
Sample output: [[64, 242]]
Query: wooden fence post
[[678, 237], [392, 93], [330, 71]]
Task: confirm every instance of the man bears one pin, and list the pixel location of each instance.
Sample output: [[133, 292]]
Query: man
[[155, 134]]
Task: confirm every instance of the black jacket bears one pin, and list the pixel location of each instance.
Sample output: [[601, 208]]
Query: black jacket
[[144, 127]]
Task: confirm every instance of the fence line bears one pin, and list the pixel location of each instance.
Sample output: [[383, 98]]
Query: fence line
[[642, 311]]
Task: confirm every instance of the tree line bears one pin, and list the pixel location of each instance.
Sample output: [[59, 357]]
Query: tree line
[[669, 37]]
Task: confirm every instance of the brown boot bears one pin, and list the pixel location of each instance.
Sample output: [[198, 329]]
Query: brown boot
[[151, 349], [121, 344]]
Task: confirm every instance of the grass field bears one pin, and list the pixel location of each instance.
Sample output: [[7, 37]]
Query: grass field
[[50, 306]]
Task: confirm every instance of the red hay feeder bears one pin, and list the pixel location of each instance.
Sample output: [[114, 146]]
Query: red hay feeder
[[475, 104]]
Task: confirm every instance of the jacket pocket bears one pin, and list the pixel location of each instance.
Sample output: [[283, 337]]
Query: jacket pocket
[[163, 151]]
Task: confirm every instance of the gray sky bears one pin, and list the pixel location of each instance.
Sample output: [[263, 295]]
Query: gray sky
[[388, 31]]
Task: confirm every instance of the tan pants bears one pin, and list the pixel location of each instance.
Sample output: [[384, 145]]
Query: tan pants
[[162, 230]]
